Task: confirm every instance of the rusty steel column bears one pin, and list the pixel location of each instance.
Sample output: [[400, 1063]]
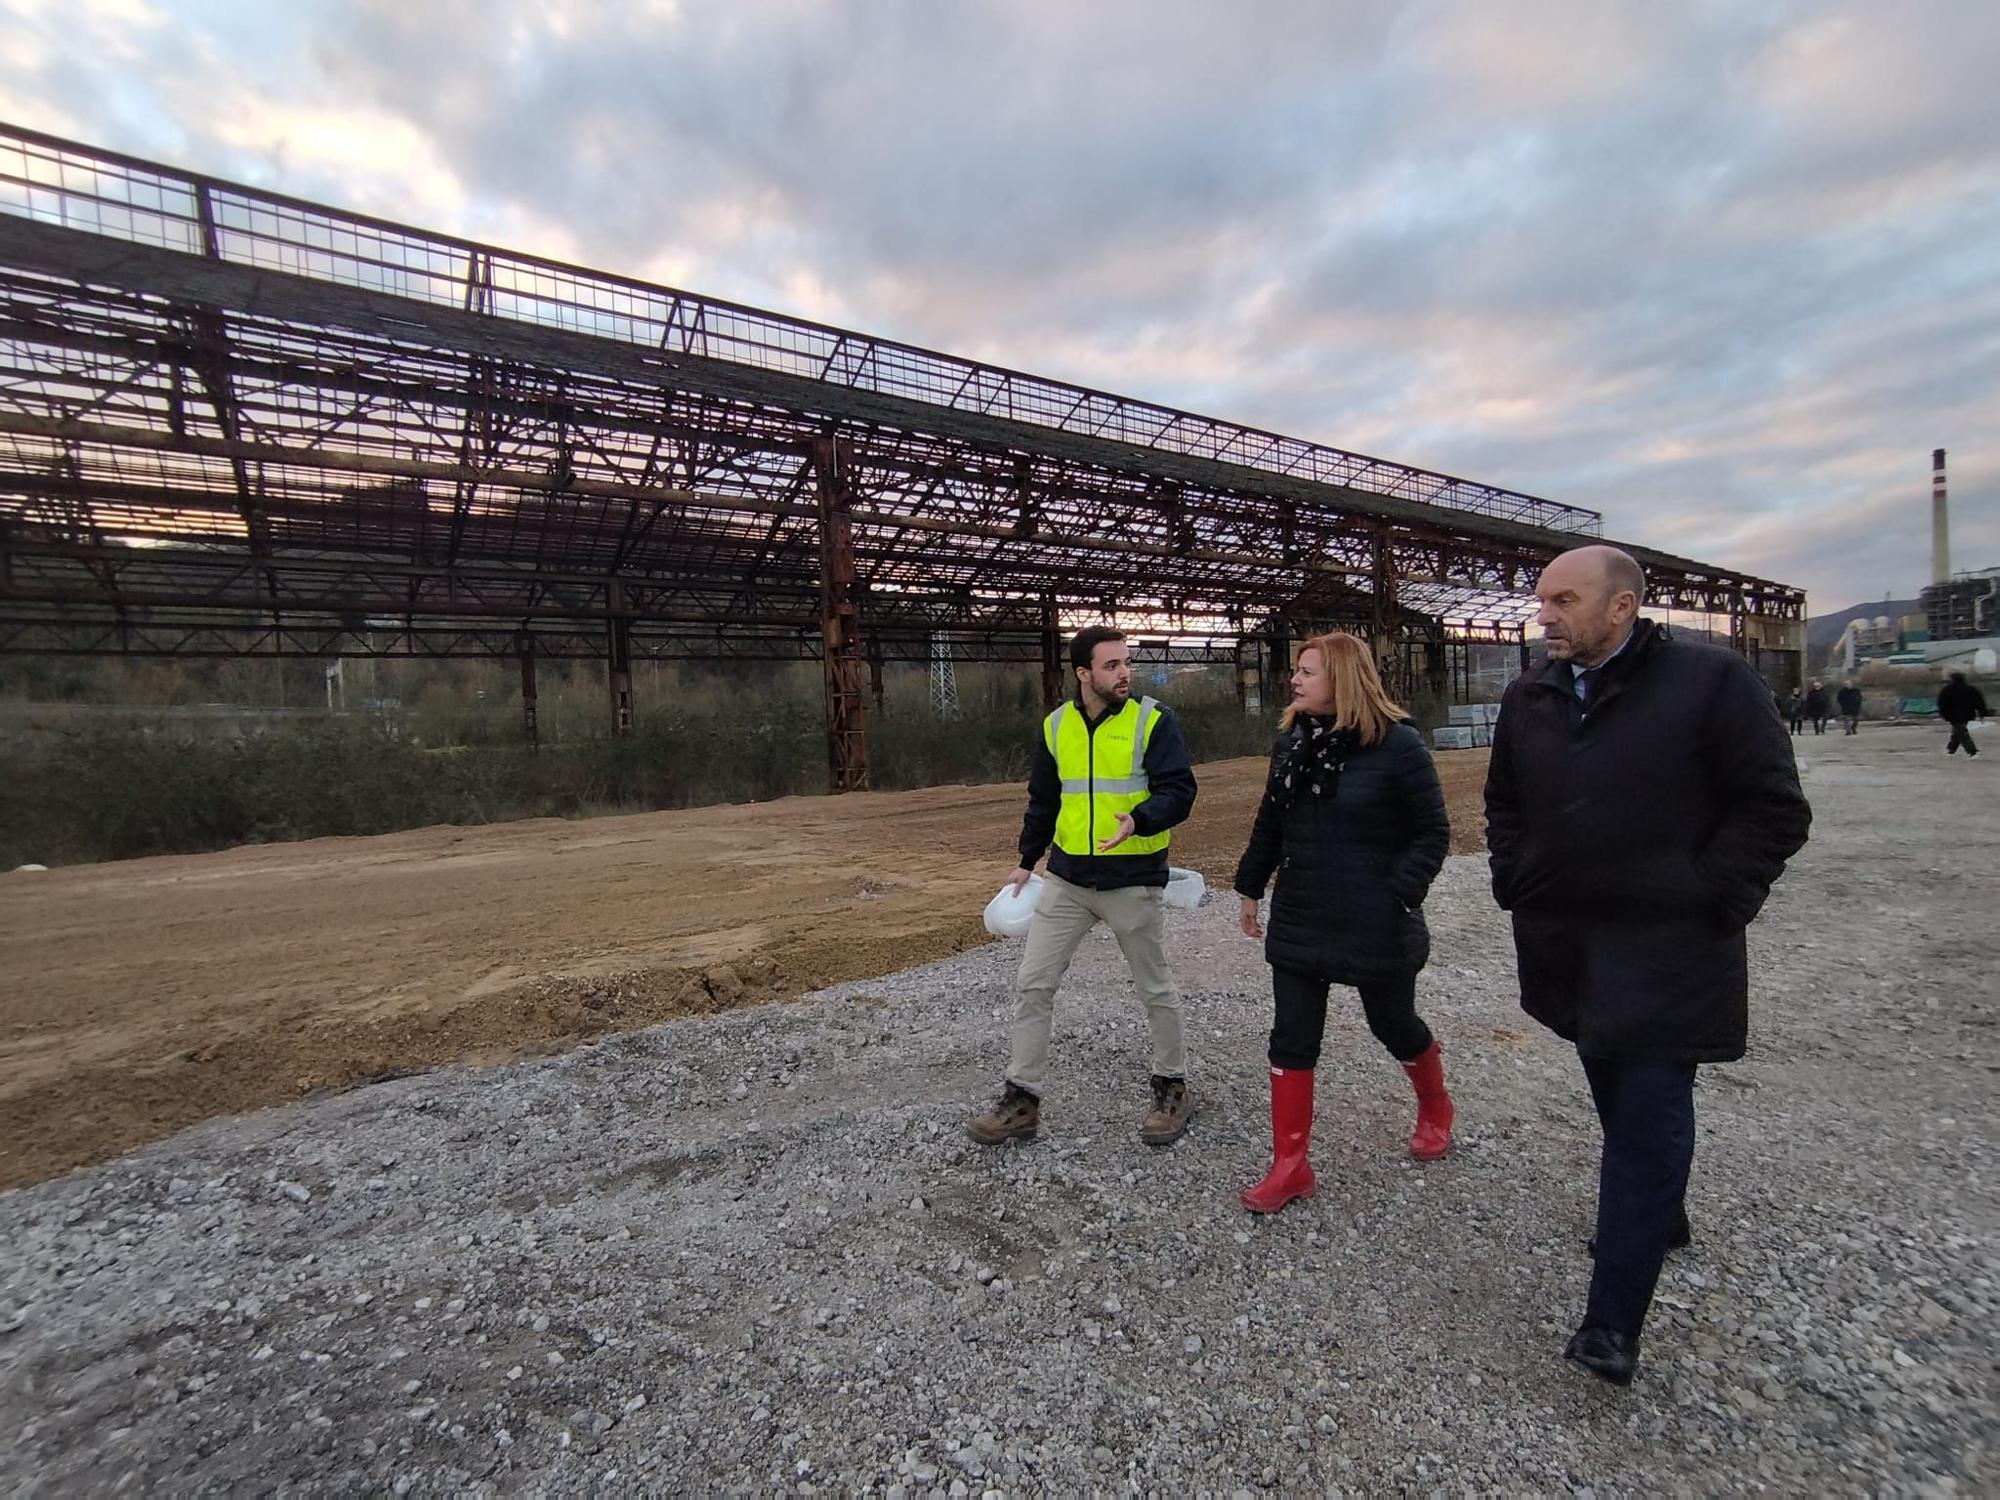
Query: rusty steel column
[[619, 656], [530, 724], [1026, 516], [1053, 683], [1278, 675], [840, 620], [1388, 661], [1437, 672]]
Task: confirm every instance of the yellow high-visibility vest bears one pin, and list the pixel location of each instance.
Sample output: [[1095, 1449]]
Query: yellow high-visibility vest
[[1103, 774]]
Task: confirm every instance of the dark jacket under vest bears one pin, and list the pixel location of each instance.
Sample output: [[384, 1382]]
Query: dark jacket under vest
[[1170, 798]]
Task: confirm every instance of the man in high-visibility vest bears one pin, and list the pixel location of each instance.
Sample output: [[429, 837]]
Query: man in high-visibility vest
[[1110, 777]]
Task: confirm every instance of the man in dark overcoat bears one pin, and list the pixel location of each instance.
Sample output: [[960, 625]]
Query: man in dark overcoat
[[1818, 705], [1849, 701], [1641, 799], [1958, 704]]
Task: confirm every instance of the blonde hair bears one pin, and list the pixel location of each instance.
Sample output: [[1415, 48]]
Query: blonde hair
[[1359, 700]]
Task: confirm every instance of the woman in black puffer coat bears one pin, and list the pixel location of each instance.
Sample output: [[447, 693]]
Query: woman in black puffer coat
[[1353, 822]]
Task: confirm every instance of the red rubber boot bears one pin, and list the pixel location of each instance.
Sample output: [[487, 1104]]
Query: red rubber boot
[[1291, 1129], [1432, 1137]]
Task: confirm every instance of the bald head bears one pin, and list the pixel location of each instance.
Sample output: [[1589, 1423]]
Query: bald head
[[1589, 598], [1613, 567]]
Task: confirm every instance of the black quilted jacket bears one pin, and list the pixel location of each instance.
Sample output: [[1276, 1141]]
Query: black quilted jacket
[[1353, 867]]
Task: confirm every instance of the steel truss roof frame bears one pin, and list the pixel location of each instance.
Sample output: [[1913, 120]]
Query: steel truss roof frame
[[232, 422]]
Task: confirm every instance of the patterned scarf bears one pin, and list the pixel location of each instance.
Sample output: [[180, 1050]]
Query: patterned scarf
[[1314, 760]]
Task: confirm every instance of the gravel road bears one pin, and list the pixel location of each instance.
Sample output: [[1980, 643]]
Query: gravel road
[[754, 1252]]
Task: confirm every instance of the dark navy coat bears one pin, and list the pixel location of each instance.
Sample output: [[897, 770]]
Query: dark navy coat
[[1634, 843]]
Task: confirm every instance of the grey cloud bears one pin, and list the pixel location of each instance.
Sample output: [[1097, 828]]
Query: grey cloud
[[1692, 266]]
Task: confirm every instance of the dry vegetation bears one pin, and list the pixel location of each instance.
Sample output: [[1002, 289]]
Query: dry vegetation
[[450, 752]]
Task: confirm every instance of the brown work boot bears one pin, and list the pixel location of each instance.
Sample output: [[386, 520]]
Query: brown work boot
[[1168, 1119], [1016, 1117]]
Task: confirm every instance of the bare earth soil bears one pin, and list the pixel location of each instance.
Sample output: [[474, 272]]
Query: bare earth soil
[[140, 997]]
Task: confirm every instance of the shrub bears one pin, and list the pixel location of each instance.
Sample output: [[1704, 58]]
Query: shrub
[[454, 756]]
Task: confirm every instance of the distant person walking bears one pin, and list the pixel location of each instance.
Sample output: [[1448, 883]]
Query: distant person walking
[[1849, 699], [1817, 706], [1638, 806], [1795, 711], [1353, 824], [1110, 777], [1959, 703]]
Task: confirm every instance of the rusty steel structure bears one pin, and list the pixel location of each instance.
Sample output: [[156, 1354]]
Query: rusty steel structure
[[235, 423]]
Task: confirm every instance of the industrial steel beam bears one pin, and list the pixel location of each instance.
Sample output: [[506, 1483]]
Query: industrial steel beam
[[489, 449]]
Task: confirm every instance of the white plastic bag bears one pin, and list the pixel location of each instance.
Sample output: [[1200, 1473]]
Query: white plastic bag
[[1185, 888], [1008, 914]]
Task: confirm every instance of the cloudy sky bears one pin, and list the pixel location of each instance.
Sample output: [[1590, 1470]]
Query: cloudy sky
[[1724, 271]]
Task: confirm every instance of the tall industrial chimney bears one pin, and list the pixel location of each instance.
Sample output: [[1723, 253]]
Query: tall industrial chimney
[[1940, 522]]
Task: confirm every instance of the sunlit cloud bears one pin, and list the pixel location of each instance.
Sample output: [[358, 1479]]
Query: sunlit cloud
[[1725, 273]]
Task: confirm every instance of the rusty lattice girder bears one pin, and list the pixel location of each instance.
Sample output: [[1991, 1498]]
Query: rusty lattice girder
[[459, 446]]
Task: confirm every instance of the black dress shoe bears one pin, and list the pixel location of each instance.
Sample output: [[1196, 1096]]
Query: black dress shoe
[[1680, 1239], [1606, 1354]]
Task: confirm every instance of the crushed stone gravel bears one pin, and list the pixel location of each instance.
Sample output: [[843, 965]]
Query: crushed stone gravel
[[755, 1251]]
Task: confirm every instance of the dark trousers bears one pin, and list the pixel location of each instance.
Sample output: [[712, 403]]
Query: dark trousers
[[1300, 1023], [1647, 1110], [1819, 723], [1798, 726], [1961, 734]]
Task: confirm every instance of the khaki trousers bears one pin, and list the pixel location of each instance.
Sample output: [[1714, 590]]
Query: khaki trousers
[[1064, 915]]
